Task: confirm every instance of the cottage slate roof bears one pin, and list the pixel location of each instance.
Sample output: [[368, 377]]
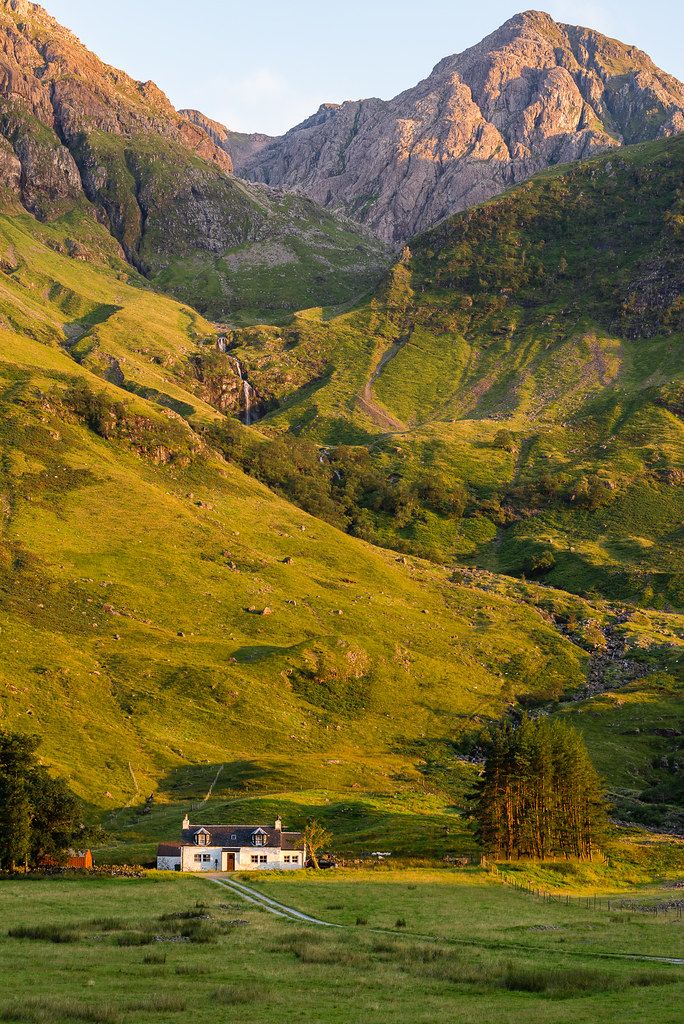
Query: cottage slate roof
[[168, 850], [292, 841], [241, 835]]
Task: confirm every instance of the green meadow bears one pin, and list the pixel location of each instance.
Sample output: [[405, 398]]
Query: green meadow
[[413, 946]]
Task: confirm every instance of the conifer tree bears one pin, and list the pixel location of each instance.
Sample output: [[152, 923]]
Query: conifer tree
[[16, 758], [539, 795]]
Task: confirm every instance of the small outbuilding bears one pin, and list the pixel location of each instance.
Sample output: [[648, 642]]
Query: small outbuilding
[[81, 859]]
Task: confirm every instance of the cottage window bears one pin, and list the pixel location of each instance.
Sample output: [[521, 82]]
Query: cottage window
[[201, 838], [258, 839], [263, 859], [295, 858], [255, 858], [286, 860], [198, 856]]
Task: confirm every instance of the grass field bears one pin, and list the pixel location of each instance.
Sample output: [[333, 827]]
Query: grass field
[[415, 947]]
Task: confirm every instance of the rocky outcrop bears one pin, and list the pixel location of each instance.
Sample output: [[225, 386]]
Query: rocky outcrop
[[239, 146], [533, 94], [60, 105], [74, 131]]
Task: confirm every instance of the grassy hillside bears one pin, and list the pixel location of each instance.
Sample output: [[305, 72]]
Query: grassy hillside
[[160, 609], [164, 616], [528, 351]]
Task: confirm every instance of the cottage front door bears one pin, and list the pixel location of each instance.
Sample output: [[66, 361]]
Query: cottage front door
[[228, 861]]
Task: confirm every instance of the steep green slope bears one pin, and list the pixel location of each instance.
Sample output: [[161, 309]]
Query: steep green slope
[[163, 615], [158, 608], [531, 350]]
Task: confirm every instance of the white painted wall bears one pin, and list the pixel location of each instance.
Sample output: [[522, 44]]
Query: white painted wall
[[275, 859], [210, 858], [168, 863]]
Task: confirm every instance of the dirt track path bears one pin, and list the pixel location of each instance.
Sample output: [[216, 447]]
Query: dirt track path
[[366, 401], [267, 903]]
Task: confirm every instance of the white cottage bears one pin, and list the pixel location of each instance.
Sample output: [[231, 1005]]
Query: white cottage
[[233, 848]]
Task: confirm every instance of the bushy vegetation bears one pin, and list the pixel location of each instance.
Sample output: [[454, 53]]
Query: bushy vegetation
[[345, 485], [41, 817]]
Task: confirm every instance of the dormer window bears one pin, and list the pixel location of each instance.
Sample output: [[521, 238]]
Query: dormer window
[[202, 838], [259, 837]]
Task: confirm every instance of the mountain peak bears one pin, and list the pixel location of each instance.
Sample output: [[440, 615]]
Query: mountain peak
[[532, 94], [540, 19]]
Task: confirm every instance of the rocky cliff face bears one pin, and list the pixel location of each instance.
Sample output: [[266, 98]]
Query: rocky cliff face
[[56, 97], [533, 94], [240, 146], [76, 132]]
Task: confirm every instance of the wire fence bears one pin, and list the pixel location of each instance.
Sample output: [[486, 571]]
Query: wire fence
[[670, 910]]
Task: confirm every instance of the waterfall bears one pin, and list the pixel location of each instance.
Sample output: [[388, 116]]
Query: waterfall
[[247, 392], [247, 395]]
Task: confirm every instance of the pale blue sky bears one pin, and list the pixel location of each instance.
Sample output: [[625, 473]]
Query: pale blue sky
[[265, 65]]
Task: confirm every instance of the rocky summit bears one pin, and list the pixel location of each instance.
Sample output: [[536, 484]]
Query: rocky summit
[[76, 132], [532, 94]]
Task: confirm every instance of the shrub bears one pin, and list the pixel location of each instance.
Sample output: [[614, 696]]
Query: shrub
[[107, 924], [97, 411], [42, 1011], [504, 440], [200, 932], [539, 563], [186, 915], [161, 1002], [559, 982], [154, 958]]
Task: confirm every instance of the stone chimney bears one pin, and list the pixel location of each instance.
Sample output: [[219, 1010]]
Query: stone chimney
[[279, 824], [186, 822]]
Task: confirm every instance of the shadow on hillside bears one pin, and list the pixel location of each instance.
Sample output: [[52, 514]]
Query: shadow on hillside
[[256, 652], [183, 409], [99, 315], [357, 825]]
